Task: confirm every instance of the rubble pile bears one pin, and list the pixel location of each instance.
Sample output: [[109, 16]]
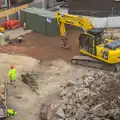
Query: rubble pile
[[94, 97], [111, 36], [2, 94], [19, 39]]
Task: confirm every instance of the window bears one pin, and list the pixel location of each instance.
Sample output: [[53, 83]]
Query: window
[[4, 3], [19, 2], [13, 2]]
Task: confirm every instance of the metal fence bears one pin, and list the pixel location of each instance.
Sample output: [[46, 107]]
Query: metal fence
[[95, 13], [106, 19]]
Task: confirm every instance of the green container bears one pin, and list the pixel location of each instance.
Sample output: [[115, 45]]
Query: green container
[[52, 27], [38, 20], [36, 23]]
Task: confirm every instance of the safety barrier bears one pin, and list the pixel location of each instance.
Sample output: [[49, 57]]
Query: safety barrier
[[106, 22], [111, 19]]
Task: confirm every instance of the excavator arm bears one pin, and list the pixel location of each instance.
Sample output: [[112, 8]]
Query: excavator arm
[[78, 21]]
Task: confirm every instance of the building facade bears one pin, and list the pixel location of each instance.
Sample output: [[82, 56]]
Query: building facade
[[97, 8], [3, 3], [10, 9], [13, 3]]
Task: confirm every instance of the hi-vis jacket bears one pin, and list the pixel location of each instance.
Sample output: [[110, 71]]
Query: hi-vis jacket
[[12, 74]]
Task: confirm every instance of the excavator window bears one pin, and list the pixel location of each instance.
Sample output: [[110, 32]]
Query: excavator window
[[96, 32], [86, 42]]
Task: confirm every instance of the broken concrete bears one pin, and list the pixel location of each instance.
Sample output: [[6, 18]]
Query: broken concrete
[[60, 113], [99, 111], [96, 97], [80, 114]]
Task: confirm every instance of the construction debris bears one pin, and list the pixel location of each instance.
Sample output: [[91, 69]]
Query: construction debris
[[111, 36], [2, 40], [19, 39], [30, 81], [2, 96], [51, 112], [3, 104], [96, 96]]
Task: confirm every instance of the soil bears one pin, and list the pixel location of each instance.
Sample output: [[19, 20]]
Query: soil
[[51, 76], [53, 72], [45, 47]]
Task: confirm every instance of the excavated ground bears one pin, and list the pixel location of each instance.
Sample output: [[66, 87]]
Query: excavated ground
[[44, 47], [52, 71]]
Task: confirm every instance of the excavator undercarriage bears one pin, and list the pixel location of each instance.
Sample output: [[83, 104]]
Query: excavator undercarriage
[[94, 63]]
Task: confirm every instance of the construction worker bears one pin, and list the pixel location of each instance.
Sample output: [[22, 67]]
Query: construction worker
[[11, 112], [12, 75]]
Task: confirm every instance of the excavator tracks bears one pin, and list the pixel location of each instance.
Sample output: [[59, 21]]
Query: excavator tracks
[[93, 63]]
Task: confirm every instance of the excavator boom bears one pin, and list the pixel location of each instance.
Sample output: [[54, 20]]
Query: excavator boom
[[78, 21]]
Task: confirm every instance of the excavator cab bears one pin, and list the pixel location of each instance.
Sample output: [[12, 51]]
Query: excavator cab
[[106, 54], [88, 41]]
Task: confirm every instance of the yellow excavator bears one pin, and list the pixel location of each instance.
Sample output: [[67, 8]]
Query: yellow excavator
[[95, 51]]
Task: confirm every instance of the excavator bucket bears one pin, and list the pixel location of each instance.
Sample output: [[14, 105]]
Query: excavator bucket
[[65, 47], [64, 43]]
